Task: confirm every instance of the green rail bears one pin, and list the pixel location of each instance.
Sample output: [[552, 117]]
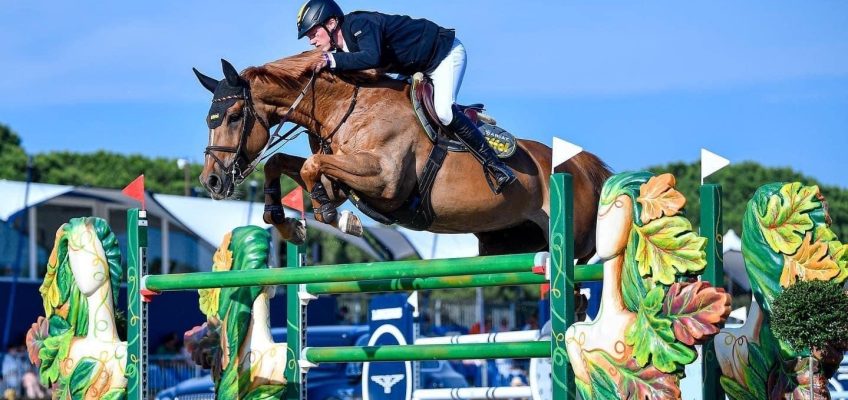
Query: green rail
[[425, 352], [583, 273], [343, 273]]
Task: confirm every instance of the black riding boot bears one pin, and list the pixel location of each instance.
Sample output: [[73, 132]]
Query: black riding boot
[[473, 139]]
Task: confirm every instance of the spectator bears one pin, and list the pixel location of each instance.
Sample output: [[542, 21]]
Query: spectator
[[170, 344], [31, 388], [12, 369], [504, 326], [343, 316], [532, 323]]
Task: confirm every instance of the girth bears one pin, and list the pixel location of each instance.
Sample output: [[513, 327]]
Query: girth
[[416, 212]]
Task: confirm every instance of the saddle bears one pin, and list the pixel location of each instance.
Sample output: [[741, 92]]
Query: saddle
[[421, 95]]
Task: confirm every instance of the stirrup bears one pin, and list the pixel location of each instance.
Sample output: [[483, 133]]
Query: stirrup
[[349, 223], [491, 174]]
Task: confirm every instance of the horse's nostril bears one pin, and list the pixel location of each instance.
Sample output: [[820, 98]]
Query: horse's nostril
[[214, 183]]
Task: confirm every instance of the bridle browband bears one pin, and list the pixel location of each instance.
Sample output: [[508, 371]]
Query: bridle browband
[[234, 169]]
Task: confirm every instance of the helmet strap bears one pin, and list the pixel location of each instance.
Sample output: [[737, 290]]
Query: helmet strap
[[332, 34]]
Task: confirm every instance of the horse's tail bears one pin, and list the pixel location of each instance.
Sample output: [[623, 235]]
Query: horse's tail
[[596, 170], [590, 173]]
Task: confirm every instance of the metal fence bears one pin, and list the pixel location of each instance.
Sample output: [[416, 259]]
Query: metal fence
[[447, 313], [164, 371]]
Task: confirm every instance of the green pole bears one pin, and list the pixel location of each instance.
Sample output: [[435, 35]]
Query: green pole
[[592, 272], [422, 352], [342, 273], [407, 284], [137, 310], [296, 327], [562, 284], [712, 228]]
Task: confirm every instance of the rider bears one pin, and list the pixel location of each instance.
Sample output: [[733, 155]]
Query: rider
[[399, 44]]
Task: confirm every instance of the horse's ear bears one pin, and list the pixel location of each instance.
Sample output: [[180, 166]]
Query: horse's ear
[[209, 83], [230, 73]]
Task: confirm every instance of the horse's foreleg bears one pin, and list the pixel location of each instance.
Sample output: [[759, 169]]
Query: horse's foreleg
[[290, 229], [361, 172]]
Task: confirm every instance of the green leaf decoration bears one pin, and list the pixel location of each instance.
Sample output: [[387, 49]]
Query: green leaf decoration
[[785, 218], [736, 391], [652, 337], [666, 245], [840, 255], [55, 349], [603, 386], [633, 287], [227, 386], [756, 375], [82, 378], [824, 233], [115, 394], [584, 389], [266, 392], [695, 310]]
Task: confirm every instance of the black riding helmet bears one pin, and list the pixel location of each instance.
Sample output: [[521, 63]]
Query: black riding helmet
[[316, 13]]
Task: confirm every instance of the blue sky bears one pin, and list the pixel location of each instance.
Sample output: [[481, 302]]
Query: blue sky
[[637, 83]]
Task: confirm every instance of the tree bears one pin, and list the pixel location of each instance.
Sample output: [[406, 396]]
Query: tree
[[740, 181], [13, 159]]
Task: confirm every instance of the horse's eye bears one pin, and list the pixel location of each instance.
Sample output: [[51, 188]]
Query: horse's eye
[[234, 117]]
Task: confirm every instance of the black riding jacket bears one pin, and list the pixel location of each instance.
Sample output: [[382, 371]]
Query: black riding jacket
[[396, 43]]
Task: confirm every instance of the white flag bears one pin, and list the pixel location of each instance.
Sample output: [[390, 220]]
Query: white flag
[[710, 163], [563, 151]]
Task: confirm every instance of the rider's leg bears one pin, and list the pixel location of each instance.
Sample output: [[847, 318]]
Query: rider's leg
[[447, 78]]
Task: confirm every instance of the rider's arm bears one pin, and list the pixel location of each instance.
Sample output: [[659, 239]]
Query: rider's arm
[[368, 37]]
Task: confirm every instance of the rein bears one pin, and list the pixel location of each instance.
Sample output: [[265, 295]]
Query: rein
[[275, 139]]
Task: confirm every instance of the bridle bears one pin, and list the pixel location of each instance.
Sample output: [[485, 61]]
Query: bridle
[[275, 140], [234, 167]]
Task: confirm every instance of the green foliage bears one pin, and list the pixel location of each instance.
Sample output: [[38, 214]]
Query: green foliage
[[740, 181], [13, 159], [811, 314]]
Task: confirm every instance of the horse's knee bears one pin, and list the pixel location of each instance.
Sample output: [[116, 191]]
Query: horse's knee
[[310, 169]]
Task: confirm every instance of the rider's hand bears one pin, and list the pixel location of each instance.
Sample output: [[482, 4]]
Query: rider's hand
[[324, 62]]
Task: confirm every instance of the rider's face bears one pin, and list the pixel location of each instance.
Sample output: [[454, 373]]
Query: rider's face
[[320, 37]]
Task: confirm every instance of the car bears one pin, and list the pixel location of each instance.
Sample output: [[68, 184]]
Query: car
[[328, 381]]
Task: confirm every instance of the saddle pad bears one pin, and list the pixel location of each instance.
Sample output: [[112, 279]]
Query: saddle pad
[[498, 138]]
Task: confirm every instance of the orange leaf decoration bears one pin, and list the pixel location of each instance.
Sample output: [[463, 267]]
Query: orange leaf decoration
[[658, 197], [810, 262]]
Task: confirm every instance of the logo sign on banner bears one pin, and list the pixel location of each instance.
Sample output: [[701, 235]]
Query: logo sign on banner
[[390, 325]]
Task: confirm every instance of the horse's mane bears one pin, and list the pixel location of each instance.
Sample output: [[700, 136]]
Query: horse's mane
[[290, 72]]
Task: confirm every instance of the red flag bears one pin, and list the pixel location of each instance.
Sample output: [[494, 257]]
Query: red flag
[[136, 190], [294, 199]]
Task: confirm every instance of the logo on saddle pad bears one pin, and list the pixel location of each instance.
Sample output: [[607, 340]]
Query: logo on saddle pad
[[421, 95]]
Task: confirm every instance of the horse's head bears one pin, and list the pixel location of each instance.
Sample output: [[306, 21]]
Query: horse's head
[[235, 137]]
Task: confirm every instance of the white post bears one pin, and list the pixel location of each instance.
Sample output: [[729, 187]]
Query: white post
[[33, 253], [166, 247]]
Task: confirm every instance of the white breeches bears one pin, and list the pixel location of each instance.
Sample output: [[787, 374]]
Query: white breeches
[[447, 78]]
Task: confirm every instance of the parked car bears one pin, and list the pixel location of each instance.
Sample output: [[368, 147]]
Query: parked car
[[327, 381]]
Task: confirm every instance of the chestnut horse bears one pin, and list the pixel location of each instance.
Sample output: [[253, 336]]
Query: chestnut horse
[[366, 137]]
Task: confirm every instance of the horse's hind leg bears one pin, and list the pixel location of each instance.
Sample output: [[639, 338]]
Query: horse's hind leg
[[290, 229]]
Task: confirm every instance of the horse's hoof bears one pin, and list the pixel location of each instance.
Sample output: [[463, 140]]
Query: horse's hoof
[[349, 223], [326, 213], [299, 232]]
